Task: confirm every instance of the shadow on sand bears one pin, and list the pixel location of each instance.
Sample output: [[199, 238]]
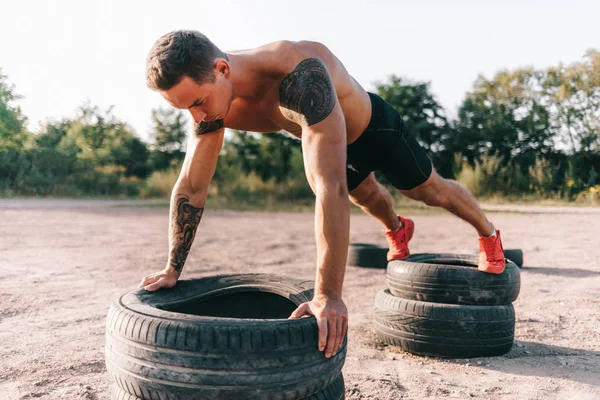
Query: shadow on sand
[[542, 360], [566, 272]]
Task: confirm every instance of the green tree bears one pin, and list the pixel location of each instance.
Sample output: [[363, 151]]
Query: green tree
[[51, 164], [506, 117], [99, 139], [169, 137], [261, 168], [424, 116], [13, 136], [241, 149], [276, 152], [574, 93], [52, 134], [269, 155], [12, 121]]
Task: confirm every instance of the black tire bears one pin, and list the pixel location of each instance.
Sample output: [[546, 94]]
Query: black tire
[[514, 255], [452, 279], [444, 330], [335, 391], [162, 345], [367, 255]]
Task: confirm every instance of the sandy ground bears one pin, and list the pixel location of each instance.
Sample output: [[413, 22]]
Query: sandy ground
[[62, 263]]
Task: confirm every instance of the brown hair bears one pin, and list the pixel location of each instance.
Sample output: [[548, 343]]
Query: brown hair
[[180, 53]]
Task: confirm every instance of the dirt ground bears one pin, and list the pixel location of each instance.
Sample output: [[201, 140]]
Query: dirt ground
[[62, 263]]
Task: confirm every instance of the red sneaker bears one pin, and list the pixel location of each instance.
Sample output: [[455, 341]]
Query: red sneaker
[[491, 254], [398, 240]]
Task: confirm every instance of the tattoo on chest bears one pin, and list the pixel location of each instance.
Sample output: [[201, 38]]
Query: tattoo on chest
[[308, 91], [207, 127], [185, 220]]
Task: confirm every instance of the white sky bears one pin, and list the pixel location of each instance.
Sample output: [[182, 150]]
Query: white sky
[[57, 53]]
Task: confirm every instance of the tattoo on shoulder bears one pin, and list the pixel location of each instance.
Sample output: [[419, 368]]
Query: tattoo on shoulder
[[185, 221], [207, 127], [308, 91]]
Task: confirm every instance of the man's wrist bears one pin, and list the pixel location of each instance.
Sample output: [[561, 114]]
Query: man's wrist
[[327, 294], [169, 270]]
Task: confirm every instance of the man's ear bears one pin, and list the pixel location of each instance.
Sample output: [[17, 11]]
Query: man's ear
[[222, 67]]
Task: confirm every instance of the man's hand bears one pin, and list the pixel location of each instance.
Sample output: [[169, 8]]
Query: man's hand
[[167, 278], [332, 320]]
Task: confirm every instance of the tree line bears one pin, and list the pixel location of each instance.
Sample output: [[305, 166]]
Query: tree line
[[524, 132]]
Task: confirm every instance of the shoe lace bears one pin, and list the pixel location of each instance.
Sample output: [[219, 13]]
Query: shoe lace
[[491, 249], [396, 238]]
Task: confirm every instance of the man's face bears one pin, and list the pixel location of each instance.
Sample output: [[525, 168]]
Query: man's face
[[207, 102]]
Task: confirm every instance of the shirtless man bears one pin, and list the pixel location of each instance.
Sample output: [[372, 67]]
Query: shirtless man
[[346, 133]]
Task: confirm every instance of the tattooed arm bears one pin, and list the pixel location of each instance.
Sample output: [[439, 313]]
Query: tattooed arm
[[308, 98], [187, 203], [184, 222]]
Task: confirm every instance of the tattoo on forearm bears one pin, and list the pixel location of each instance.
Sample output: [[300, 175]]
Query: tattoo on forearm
[[184, 222], [308, 91], [207, 127]]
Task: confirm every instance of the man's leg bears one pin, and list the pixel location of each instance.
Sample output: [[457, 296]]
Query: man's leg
[[375, 200], [436, 191], [439, 192], [393, 150]]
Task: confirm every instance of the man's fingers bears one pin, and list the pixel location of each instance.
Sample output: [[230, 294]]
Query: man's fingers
[[156, 285], [322, 324], [332, 326], [332, 337], [345, 331], [147, 280], [340, 335], [151, 288], [300, 311]]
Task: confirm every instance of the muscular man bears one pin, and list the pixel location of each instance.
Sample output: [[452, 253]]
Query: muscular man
[[346, 133]]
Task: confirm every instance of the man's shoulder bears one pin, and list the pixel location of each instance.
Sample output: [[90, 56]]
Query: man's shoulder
[[293, 47], [283, 56]]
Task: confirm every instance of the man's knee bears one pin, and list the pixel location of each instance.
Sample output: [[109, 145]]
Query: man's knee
[[434, 191], [365, 193]]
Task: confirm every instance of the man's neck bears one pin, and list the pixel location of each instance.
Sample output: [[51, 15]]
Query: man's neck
[[241, 73], [247, 81]]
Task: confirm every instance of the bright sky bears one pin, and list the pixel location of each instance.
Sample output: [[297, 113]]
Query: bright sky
[[57, 53]]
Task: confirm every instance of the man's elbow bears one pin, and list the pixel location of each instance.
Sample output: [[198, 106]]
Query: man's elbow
[[196, 194]]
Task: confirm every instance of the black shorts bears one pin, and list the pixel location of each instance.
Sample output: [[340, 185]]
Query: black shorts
[[387, 146]]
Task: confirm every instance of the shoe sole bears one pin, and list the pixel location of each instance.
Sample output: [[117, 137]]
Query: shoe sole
[[492, 270]]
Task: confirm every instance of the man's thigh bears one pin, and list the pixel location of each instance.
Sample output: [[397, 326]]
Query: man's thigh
[[403, 161]]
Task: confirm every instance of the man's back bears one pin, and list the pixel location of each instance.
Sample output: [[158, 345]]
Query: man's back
[[266, 67]]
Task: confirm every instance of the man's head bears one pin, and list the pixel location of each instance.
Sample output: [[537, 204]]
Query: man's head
[[190, 72]]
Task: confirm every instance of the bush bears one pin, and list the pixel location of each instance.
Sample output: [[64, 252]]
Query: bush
[[489, 178], [590, 196], [159, 184], [472, 179], [246, 188], [105, 181], [294, 190]]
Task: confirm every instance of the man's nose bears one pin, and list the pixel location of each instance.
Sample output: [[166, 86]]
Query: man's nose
[[198, 115]]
